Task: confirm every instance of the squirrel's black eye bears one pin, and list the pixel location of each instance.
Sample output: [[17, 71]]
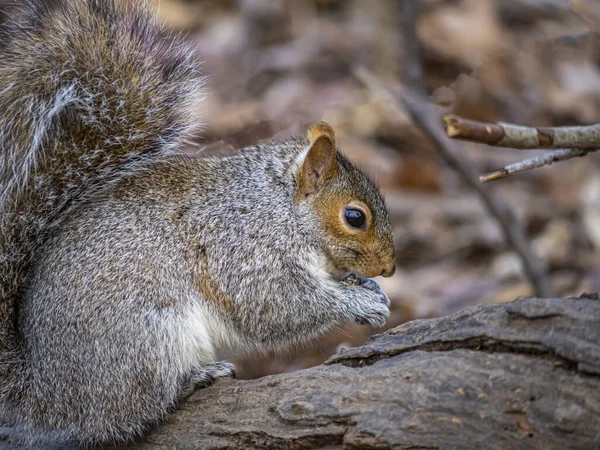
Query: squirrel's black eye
[[355, 218]]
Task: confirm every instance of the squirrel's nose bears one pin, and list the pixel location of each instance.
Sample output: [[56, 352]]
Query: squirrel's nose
[[390, 270]]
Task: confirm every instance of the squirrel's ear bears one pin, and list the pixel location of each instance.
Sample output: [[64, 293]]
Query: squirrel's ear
[[319, 164], [322, 129]]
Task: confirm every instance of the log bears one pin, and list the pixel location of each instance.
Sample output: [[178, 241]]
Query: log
[[521, 375]]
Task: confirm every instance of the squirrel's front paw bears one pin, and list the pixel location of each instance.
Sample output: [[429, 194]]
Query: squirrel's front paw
[[374, 307], [374, 287]]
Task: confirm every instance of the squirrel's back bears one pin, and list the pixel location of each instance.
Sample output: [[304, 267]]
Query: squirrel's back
[[90, 91]]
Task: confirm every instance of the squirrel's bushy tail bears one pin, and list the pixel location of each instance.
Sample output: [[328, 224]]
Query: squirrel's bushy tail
[[90, 91]]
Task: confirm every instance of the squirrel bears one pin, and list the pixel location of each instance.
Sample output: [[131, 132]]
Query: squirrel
[[128, 269]]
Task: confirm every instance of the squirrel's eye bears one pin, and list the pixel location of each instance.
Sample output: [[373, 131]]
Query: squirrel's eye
[[355, 218]]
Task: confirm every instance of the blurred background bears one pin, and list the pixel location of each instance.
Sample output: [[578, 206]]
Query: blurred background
[[275, 66]]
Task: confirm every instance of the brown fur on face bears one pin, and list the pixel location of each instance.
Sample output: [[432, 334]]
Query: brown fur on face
[[367, 253], [332, 183]]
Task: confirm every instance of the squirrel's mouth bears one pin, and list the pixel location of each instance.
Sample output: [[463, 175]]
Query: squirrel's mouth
[[347, 275], [342, 273], [338, 272], [353, 280], [335, 266], [364, 265]]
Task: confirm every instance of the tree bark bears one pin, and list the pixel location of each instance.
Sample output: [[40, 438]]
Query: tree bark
[[518, 375]]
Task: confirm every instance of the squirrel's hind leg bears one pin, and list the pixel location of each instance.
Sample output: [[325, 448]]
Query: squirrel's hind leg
[[204, 376]]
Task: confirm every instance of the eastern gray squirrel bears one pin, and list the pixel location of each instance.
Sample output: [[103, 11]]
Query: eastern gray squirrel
[[126, 270]]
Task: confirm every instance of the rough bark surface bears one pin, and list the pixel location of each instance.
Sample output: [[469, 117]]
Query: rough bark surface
[[520, 375]]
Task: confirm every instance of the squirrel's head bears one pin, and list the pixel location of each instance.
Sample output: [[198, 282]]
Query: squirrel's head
[[357, 234]]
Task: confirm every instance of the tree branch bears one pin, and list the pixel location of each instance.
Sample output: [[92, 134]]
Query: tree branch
[[522, 137], [533, 163]]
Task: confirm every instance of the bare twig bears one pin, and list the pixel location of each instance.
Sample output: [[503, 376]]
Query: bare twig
[[532, 163], [425, 116], [522, 137]]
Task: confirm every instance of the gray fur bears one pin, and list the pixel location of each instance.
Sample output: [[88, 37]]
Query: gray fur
[[128, 273]]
